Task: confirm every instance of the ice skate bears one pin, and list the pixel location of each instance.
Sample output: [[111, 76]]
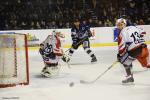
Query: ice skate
[[129, 79], [93, 60]]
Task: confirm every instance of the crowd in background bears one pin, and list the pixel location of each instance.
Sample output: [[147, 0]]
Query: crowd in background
[[50, 14]]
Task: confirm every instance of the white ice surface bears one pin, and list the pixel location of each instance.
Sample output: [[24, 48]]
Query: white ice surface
[[108, 87]]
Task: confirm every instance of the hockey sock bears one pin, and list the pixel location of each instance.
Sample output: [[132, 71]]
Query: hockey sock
[[128, 69], [89, 52]]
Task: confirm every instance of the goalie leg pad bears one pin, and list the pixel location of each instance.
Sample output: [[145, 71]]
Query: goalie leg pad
[[66, 58], [50, 70]]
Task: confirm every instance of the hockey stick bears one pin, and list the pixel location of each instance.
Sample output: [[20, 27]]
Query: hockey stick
[[70, 48], [78, 43], [89, 82]]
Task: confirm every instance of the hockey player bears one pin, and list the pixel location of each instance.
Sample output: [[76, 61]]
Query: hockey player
[[80, 34], [51, 52], [131, 46]]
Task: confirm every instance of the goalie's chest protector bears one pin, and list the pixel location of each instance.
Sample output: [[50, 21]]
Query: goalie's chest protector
[[53, 41]]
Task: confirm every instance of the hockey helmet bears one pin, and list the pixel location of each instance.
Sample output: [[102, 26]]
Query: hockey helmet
[[121, 23], [121, 20], [54, 32]]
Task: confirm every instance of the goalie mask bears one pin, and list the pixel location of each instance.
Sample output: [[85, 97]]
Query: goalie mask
[[54, 32], [57, 33]]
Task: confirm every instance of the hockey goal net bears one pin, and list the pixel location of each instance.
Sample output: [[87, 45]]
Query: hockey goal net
[[13, 60]]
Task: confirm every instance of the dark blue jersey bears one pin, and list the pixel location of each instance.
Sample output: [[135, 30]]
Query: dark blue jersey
[[80, 33]]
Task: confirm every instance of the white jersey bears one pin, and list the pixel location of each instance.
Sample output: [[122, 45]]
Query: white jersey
[[52, 44], [50, 40], [129, 38]]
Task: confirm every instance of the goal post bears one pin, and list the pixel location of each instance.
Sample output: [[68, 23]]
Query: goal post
[[14, 66]]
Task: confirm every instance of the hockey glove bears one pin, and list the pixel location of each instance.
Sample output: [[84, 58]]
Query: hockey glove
[[144, 45], [122, 58], [51, 56], [90, 34], [41, 51], [74, 44], [118, 57]]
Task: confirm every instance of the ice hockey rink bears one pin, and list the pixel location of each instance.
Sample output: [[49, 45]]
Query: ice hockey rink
[[108, 87]]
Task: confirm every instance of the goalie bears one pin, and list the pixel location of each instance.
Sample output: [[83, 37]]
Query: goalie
[[51, 52]]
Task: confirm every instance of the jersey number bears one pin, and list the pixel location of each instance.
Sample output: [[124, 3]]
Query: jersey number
[[136, 37]]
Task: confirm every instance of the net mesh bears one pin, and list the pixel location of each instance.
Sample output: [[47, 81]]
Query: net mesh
[[13, 59]]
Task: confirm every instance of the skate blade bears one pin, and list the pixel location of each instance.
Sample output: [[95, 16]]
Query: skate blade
[[128, 84], [94, 62]]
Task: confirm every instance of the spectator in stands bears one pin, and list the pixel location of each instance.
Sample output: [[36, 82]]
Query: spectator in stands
[[148, 19], [60, 24], [100, 24], [108, 23], [67, 25], [32, 14], [53, 25], [141, 22]]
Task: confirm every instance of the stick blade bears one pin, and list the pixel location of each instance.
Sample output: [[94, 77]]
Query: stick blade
[[84, 82]]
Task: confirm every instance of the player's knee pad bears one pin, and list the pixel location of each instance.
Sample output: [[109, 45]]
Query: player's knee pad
[[86, 44], [128, 61]]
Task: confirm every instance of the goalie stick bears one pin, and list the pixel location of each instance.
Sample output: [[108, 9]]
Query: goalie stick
[[90, 82]]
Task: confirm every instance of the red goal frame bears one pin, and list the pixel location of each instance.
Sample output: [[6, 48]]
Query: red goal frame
[[27, 66]]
